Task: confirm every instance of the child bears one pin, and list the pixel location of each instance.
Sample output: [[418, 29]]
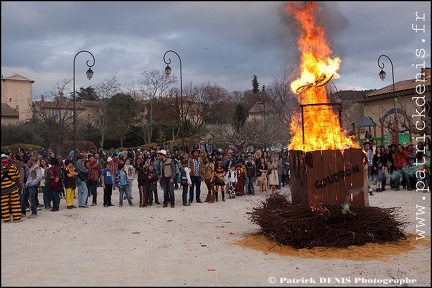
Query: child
[[107, 184], [232, 180], [241, 177], [143, 182], [153, 179], [381, 175], [219, 181], [70, 183], [121, 181]]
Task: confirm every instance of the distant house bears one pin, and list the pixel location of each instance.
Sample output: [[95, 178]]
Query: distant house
[[396, 110], [16, 99], [64, 108], [258, 111], [9, 115]]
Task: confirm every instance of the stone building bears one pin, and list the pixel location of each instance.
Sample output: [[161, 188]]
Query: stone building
[[400, 112], [16, 99]]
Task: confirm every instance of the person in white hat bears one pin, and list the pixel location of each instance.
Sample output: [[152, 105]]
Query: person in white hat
[[167, 176], [10, 198]]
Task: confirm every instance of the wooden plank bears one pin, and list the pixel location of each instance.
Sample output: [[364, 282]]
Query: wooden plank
[[304, 176], [327, 170], [314, 166], [296, 177], [342, 194], [354, 175]]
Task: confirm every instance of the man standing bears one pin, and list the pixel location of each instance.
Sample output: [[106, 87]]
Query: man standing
[[82, 181], [101, 163], [196, 175], [250, 174], [93, 176], [114, 161], [131, 174], [168, 174], [10, 202], [34, 176]]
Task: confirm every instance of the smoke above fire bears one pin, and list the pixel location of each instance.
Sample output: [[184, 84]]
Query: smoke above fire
[[317, 127]]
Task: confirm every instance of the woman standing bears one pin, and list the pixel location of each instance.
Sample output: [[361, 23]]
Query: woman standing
[[70, 183], [56, 182], [262, 175], [209, 174], [143, 183], [46, 193], [272, 175], [379, 157], [219, 179]]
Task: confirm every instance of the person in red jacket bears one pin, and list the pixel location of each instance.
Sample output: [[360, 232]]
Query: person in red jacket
[[400, 164]]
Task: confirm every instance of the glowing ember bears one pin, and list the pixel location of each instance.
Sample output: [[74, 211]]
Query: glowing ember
[[321, 126]]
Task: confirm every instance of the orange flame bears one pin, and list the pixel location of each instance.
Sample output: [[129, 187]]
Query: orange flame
[[321, 126]]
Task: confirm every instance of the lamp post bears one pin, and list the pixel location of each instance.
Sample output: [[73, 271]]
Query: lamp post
[[382, 76], [167, 73], [89, 74]]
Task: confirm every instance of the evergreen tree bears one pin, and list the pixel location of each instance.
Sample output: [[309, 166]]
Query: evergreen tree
[[240, 117], [255, 85], [88, 93]]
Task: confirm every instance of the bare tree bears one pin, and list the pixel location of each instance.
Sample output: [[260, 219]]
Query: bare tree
[[204, 102], [279, 98], [259, 133], [169, 113], [55, 117], [123, 115], [154, 83], [105, 90]]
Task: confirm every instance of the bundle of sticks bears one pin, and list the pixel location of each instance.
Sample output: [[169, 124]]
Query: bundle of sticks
[[300, 226]]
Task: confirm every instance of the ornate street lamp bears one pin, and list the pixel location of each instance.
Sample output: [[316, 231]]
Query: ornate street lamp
[[382, 75], [89, 75], [167, 73]]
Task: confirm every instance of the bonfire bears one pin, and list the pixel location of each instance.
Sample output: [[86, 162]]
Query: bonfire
[[328, 204]]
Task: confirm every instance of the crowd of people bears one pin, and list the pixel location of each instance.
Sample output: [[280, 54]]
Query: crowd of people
[[156, 172], [406, 166]]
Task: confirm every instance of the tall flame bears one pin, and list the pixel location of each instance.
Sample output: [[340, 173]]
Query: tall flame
[[321, 126]]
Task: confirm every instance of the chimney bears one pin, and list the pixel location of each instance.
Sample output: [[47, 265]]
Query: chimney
[[426, 73]]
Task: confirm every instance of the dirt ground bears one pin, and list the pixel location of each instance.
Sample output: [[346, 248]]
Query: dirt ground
[[201, 245]]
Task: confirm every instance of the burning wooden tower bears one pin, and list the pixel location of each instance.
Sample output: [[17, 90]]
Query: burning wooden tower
[[326, 165], [329, 199]]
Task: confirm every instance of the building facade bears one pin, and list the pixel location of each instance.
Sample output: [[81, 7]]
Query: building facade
[[16, 99], [401, 111]]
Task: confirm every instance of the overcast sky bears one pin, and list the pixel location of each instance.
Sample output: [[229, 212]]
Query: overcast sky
[[224, 43]]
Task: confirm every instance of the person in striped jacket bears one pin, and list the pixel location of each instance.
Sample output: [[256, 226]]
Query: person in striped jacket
[[10, 198]]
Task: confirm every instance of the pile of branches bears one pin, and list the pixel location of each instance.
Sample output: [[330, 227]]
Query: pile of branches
[[300, 226]]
